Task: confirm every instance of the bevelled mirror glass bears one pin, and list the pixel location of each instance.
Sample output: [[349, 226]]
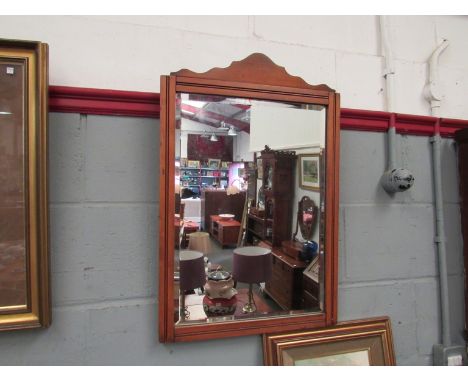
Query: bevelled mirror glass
[[248, 153]]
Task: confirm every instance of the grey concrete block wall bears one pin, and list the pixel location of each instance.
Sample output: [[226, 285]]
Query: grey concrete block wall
[[388, 261], [104, 243]]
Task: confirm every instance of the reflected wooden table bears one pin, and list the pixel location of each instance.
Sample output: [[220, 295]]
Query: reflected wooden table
[[194, 305], [187, 227]]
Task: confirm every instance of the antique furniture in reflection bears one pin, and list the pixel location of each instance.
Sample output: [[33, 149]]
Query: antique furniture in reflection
[[273, 225], [251, 265], [310, 292], [215, 202], [306, 218], [256, 79], [366, 342], [461, 136], [24, 258], [188, 229], [285, 285], [225, 232], [191, 275]]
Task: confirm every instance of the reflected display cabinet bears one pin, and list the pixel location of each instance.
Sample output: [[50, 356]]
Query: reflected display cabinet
[[270, 220]]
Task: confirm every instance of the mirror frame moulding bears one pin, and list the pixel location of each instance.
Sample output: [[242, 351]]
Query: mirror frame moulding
[[255, 77], [38, 313]]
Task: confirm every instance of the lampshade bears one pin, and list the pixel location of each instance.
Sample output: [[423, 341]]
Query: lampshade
[[233, 189], [200, 241], [214, 138], [191, 270], [232, 131], [251, 264]]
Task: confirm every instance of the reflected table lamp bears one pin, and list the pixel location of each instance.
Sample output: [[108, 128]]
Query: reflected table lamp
[[251, 265], [192, 276]]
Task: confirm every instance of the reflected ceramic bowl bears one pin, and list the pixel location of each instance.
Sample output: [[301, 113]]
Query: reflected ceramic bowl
[[220, 285], [226, 216]]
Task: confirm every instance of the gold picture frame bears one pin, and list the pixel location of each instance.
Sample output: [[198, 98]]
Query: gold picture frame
[[24, 292], [309, 171], [193, 163], [366, 342], [214, 163]]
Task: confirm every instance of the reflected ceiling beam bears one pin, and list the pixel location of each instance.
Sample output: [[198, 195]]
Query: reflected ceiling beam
[[241, 106], [205, 98], [200, 113]]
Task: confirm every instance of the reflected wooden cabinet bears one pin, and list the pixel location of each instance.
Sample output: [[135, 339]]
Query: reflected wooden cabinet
[[285, 285], [270, 221], [225, 232], [215, 202]]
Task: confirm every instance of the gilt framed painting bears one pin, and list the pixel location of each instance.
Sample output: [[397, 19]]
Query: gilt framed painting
[[366, 342], [24, 253]]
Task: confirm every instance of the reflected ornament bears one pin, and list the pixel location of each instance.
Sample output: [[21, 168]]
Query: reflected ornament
[[309, 251]]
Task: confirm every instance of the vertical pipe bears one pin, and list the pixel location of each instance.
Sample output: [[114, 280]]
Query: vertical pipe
[[432, 94], [440, 240], [391, 133], [389, 74], [393, 179]]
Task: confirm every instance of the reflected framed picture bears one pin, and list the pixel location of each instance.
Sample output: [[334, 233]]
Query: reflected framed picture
[[259, 169], [225, 165], [193, 163], [313, 269], [24, 257], [366, 342], [309, 171], [214, 163]]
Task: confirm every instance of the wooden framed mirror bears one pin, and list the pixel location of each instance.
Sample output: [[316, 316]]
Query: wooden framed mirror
[[244, 128], [24, 261]]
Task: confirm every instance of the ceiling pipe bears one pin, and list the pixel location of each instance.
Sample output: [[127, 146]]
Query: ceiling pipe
[[394, 179], [432, 90]]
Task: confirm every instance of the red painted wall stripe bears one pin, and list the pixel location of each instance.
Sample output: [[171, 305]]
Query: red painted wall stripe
[[103, 102], [141, 104], [379, 121]]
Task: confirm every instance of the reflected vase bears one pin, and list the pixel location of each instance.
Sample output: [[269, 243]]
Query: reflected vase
[[309, 251]]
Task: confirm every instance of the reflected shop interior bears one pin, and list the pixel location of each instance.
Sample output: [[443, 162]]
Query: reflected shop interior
[[249, 214]]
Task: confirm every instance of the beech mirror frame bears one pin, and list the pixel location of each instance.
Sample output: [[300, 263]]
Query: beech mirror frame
[[255, 77], [36, 312]]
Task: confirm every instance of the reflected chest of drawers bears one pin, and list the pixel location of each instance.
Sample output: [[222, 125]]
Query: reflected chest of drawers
[[285, 285]]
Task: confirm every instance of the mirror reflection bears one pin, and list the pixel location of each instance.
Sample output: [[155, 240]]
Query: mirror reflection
[[246, 173], [13, 284]]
